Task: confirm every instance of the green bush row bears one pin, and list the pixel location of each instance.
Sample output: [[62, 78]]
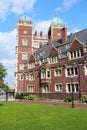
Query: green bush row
[[26, 96]]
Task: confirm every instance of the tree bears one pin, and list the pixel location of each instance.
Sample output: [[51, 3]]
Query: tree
[[3, 72], [6, 89]]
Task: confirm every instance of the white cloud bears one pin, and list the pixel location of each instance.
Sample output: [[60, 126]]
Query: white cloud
[[7, 49], [7, 40], [7, 53], [73, 31], [42, 25], [66, 4], [15, 6]]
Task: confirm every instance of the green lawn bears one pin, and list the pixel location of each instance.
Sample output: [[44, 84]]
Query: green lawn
[[18, 116]]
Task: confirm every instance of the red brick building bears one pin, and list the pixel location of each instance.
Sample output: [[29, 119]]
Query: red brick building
[[45, 65]]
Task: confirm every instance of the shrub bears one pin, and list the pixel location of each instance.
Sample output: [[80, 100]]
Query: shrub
[[33, 97], [25, 94], [68, 99], [84, 99], [19, 96], [26, 97]]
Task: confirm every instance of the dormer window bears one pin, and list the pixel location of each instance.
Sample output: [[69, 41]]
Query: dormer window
[[53, 59], [31, 65], [76, 54]]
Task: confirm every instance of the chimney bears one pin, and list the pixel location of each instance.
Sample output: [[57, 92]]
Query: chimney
[[49, 39], [64, 35]]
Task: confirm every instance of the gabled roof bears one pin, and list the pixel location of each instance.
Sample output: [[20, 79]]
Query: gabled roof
[[53, 51], [75, 44], [32, 59], [43, 51], [62, 48], [81, 36]]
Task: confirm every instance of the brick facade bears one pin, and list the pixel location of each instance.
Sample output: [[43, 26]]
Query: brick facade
[[50, 75]]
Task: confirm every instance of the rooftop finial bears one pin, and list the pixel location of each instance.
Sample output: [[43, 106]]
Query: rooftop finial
[[24, 13]]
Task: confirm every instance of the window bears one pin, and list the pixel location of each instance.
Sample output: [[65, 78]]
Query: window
[[48, 74], [57, 72], [27, 76], [85, 69], [76, 54], [53, 59], [31, 77], [31, 89], [24, 56], [45, 74], [31, 65], [35, 44], [45, 88], [21, 77], [24, 41], [21, 67], [58, 87], [72, 71], [70, 86]]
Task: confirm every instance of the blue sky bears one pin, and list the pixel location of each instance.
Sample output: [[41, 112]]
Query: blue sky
[[72, 12]]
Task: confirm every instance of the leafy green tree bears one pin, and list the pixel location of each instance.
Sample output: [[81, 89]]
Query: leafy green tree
[[3, 72]]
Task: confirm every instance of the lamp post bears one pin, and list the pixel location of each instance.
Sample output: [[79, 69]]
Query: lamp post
[[6, 91], [71, 76]]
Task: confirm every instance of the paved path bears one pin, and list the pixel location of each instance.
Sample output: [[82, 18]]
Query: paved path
[[55, 103], [3, 98]]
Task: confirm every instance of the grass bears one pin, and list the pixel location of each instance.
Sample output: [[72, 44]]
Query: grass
[[18, 116]]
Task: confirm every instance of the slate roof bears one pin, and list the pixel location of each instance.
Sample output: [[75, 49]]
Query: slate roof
[[62, 48], [43, 51], [81, 36]]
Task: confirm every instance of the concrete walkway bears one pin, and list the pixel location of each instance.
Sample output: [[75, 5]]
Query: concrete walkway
[[3, 98]]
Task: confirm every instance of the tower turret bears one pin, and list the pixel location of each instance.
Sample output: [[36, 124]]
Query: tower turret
[[57, 30]]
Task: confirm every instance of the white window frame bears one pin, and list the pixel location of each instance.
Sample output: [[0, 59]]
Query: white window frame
[[53, 60], [21, 66], [85, 69], [71, 71], [27, 76], [24, 42], [58, 87], [69, 86], [45, 74], [31, 76], [76, 54], [57, 72], [31, 89], [31, 65], [21, 77], [45, 88], [24, 56]]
